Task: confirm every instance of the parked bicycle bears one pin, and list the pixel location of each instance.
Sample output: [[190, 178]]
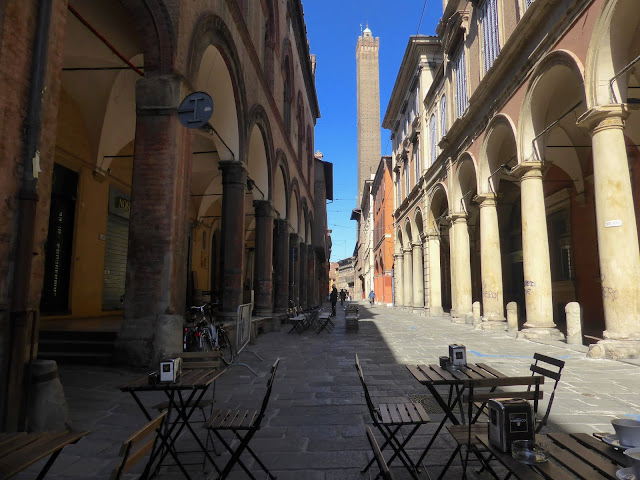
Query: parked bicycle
[[202, 334]]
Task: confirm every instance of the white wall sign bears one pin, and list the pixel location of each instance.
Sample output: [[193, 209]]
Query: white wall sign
[[613, 223]]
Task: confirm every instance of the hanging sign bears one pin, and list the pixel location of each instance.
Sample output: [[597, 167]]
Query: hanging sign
[[195, 110]]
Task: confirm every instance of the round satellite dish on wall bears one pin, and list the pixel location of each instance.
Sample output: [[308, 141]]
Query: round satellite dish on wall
[[195, 110]]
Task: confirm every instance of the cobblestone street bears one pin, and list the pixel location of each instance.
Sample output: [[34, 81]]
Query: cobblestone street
[[315, 423]]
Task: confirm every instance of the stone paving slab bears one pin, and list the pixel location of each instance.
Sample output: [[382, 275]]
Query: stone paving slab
[[315, 422]]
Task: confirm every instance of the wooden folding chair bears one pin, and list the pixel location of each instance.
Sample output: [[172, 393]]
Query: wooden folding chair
[[389, 419], [551, 368], [132, 451], [465, 434], [385, 473], [236, 421], [325, 323]]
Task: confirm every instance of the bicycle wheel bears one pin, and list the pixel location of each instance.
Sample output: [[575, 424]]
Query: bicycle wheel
[[207, 343], [226, 350]]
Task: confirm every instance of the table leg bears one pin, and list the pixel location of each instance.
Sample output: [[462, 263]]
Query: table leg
[[445, 407], [185, 421]]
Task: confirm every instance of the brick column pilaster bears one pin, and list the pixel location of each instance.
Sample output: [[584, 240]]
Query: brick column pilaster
[[263, 259], [234, 182], [304, 274], [157, 253], [294, 269], [281, 264]]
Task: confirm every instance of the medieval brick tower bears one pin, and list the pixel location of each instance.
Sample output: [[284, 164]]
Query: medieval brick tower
[[368, 107]]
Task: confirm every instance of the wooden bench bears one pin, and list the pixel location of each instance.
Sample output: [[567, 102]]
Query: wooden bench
[[147, 434], [20, 450]]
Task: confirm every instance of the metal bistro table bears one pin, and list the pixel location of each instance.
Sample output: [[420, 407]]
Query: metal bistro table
[[184, 396], [575, 455], [456, 379]]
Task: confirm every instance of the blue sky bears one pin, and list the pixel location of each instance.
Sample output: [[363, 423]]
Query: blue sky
[[333, 28]]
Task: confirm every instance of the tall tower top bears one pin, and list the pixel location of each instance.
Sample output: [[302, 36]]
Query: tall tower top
[[368, 100]]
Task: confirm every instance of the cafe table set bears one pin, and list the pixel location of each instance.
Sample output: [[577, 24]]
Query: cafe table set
[[509, 434]]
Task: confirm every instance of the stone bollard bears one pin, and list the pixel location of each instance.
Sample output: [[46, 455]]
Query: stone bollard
[[477, 317], [574, 323], [512, 317], [47, 409]]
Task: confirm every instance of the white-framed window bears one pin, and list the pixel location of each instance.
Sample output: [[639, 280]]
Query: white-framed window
[[413, 110], [406, 178], [398, 192], [490, 36], [460, 73], [416, 160], [443, 116], [432, 139]]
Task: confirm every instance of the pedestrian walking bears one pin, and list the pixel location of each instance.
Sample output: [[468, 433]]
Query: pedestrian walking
[[343, 296], [372, 297], [334, 299]]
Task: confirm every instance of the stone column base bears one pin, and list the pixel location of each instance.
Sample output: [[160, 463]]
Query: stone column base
[[495, 325], [418, 310], [540, 333], [143, 342], [457, 317], [436, 311], [615, 349]]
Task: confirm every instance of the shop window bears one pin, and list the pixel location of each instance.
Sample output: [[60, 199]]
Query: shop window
[[560, 251], [59, 245]]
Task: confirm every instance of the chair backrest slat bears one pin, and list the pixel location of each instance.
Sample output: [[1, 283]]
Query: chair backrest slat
[[544, 358], [265, 400], [366, 390], [385, 473], [144, 434], [545, 372], [483, 397]]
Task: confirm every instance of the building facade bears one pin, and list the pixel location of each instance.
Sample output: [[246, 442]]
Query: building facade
[[346, 279], [529, 194], [405, 117], [113, 208], [382, 194]]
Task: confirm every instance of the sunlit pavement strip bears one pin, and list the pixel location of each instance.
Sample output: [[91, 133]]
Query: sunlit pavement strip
[[315, 421]]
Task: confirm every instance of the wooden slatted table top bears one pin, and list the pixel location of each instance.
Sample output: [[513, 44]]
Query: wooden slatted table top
[[20, 450], [189, 380], [436, 375], [575, 455]]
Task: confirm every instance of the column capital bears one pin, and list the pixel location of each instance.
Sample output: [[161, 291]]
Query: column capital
[[282, 223], [160, 94], [233, 172], [486, 199], [528, 170], [407, 249], [416, 244], [294, 238], [398, 255], [604, 117], [263, 208], [433, 234], [458, 218]]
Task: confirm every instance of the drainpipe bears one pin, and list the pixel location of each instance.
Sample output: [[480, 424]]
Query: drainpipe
[[20, 314]]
